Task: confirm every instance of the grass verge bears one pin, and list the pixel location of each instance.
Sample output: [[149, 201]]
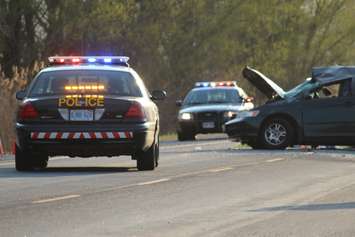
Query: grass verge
[[168, 137]]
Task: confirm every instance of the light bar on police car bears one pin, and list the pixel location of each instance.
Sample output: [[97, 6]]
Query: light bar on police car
[[84, 87], [73, 60], [216, 84]]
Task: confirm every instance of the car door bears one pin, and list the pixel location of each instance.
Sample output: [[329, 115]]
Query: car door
[[330, 118]]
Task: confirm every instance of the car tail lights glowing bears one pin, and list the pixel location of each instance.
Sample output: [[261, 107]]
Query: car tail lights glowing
[[135, 111], [27, 111]]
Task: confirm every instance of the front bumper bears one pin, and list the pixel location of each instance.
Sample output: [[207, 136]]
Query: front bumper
[[246, 129], [199, 126], [85, 140]]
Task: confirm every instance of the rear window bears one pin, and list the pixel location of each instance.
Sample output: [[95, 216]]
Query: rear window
[[85, 82]]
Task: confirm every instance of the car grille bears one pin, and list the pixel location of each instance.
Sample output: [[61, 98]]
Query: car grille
[[208, 116]]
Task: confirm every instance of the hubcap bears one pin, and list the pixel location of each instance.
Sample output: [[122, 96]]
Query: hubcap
[[275, 134]]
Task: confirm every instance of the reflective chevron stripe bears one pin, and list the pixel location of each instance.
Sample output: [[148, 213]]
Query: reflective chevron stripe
[[80, 135]]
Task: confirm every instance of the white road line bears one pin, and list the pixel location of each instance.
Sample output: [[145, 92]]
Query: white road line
[[7, 163], [220, 169], [153, 182], [56, 199], [209, 171], [276, 159], [196, 144]]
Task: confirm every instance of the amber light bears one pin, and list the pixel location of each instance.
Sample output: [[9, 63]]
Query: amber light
[[82, 96], [85, 87]]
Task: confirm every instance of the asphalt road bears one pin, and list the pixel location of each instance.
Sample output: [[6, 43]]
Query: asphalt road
[[203, 188]]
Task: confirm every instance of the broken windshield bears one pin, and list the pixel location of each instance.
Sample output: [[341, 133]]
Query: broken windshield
[[305, 86]]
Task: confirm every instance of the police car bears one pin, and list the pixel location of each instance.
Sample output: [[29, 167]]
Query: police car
[[208, 106], [87, 106]]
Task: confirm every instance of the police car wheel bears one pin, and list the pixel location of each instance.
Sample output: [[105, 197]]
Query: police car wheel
[[147, 160], [40, 161], [276, 133], [157, 149], [22, 160], [180, 137], [183, 136]]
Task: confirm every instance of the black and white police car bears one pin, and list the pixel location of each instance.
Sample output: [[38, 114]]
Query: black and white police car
[[208, 106], [87, 106]]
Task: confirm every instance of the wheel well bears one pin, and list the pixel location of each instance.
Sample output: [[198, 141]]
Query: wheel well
[[286, 117]]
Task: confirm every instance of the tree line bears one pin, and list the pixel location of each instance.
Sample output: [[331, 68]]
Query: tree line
[[174, 43]]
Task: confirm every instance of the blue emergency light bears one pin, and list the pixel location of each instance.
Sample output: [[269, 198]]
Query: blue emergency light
[[74, 60]]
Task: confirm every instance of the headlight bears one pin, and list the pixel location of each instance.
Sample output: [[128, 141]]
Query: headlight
[[251, 113], [185, 116], [230, 114]]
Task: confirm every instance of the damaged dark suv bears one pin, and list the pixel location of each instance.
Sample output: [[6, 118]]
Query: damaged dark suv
[[319, 111]]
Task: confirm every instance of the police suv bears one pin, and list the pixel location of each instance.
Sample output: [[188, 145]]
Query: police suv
[[208, 106], [87, 106]]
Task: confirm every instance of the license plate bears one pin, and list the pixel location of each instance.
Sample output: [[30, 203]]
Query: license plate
[[208, 125], [81, 115]]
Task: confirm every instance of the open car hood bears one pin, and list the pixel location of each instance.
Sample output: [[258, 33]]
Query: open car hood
[[262, 83]]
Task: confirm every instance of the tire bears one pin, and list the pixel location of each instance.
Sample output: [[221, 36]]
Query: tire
[[277, 133], [157, 152], [40, 161], [183, 136], [22, 160], [27, 161], [255, 146], [148, 160]]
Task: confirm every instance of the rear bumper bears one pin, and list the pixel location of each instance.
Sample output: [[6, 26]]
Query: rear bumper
[[77, 141]]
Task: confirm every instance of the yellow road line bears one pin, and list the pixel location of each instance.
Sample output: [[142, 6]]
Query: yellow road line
[[56, 199]]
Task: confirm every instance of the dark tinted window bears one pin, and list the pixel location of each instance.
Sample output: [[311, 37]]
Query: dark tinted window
[[85, 82], [213, 96]]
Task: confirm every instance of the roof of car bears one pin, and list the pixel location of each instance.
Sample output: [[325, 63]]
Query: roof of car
[[216, 88], [88, 67], [333, 73]]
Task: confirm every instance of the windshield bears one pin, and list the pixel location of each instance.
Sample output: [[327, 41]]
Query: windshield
[[85, 82], [305, 86], [213, 96]]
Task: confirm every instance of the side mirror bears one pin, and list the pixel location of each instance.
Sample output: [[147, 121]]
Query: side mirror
[[158, 95], [178, 103], [20, 95], [249, 99]]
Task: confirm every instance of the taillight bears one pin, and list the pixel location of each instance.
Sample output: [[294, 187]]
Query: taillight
[[135, 111], [27, 111]]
